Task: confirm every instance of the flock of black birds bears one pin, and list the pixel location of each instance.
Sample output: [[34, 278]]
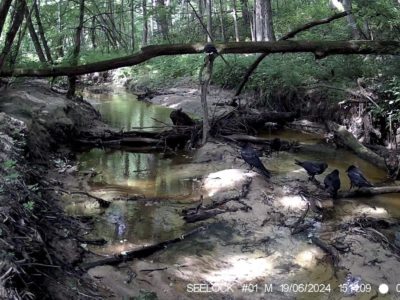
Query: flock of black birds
[[331, 181]]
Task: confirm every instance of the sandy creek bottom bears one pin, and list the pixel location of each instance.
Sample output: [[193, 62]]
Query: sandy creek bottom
[[237, 256]]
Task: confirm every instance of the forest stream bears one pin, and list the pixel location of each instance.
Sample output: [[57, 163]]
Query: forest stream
[[237, 249]]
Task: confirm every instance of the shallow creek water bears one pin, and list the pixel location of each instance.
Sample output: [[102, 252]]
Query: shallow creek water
[[129, 224]]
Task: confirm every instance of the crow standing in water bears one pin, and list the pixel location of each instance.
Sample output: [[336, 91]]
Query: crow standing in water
[[250, 156], [312, 167], [357, 178], [332, 183]]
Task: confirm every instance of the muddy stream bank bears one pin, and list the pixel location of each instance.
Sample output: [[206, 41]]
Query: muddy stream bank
[[242, 251]]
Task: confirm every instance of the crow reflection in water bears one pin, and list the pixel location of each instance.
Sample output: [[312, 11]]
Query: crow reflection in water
[[332, 183], [250, 156], [357, 178], [312, 167]]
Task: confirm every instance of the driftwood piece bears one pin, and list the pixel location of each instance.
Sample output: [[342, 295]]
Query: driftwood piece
[[369, 191], [103, 203], [330, 250], [139, 253], [345, 138], [203, 215]]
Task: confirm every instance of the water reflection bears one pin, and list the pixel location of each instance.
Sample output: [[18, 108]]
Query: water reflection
[[139, 173], [123, 111]]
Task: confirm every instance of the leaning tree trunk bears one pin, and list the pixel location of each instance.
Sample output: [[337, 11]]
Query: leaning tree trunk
[[4, 7], [41, 33], [355, 32], [205, 77], [75, 55], [16, 23], [34, 37]]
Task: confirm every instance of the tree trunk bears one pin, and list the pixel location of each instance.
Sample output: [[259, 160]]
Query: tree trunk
[[245, 13], [133, 25], [269, 34], [77, 49], [345, 138], [41, 33], [34, 37], [93, 33], [16, 23], [320, 49], [260, 13], [355, 33], [162, 19], [145, 35], [4, 8], [209, 21], [204, 82], [60, 46], [235, 23], [221, 20]]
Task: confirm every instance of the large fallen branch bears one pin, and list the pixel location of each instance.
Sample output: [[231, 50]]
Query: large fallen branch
[[320, 49], [139, 253], [370, 191], [347, 139]]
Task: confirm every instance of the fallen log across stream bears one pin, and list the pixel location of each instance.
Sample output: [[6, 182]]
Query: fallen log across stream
[[346, 138], [369, 191], [139, 253]]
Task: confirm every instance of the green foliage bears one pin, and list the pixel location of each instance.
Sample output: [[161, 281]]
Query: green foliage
[[389, 108], [29, 206], [9, 164]]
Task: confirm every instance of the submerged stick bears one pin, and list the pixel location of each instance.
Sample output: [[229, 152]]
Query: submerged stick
[[139, 253]]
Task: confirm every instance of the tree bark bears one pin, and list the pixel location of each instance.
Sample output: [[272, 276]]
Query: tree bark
[[345, 138], [16, 23], [209, 21], [320, 49], [235, 23], [77, 49], [161, 19], [4, 8], [145, 35], [259, 23], [355, 32], [269, 33], [133, 25], [221, 20], [371, 191], [34, 37], [204, 82], [41, 33]]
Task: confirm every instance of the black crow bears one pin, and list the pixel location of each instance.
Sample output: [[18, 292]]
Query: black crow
[[332, 183], [210, 49], [250, 156], [312, 167], [357, 178]]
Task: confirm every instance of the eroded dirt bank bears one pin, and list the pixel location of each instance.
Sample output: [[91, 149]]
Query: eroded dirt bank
[[39, 243]]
